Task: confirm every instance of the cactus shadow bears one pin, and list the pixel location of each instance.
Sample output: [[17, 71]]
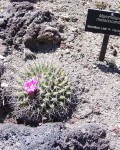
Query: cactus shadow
[[108, 69], [5, 109], [43, 48]]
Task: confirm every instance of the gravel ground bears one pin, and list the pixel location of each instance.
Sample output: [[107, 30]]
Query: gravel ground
[[97, 83]]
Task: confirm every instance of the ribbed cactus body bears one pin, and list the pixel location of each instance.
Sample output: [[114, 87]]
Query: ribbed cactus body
[[52, 98]]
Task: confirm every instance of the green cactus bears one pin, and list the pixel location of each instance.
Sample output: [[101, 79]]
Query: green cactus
[[51, 100], [118, 6]]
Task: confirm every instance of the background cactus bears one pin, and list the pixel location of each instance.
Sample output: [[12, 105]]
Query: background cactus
[[42, 92]]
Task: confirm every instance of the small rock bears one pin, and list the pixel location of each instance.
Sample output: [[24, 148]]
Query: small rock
[[74, 19], [3, 49], [1, 21], [73, 120], [94, 66], [71, 38], [4, 85], [65, 17], [117, 62], [73, 29], [2, 57], [41, 35], [111, 62], [116, 130], [115, 53], [67, 51], [28, 54], [1, 68], [61, 27], [85, 112]]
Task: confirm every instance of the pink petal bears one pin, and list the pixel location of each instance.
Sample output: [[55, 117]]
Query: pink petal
[[30, 86]]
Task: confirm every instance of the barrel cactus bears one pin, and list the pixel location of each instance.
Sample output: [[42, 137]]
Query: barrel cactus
[[42, 92], [118, 6]]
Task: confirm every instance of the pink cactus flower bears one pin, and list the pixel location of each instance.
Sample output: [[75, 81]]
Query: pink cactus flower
[[31, 86]]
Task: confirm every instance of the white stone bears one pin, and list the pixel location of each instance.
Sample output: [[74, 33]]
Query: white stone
[[2, 57], [4, 85]]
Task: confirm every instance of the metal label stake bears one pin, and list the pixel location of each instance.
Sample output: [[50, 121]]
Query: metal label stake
[[105, 43], [104, 47]]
